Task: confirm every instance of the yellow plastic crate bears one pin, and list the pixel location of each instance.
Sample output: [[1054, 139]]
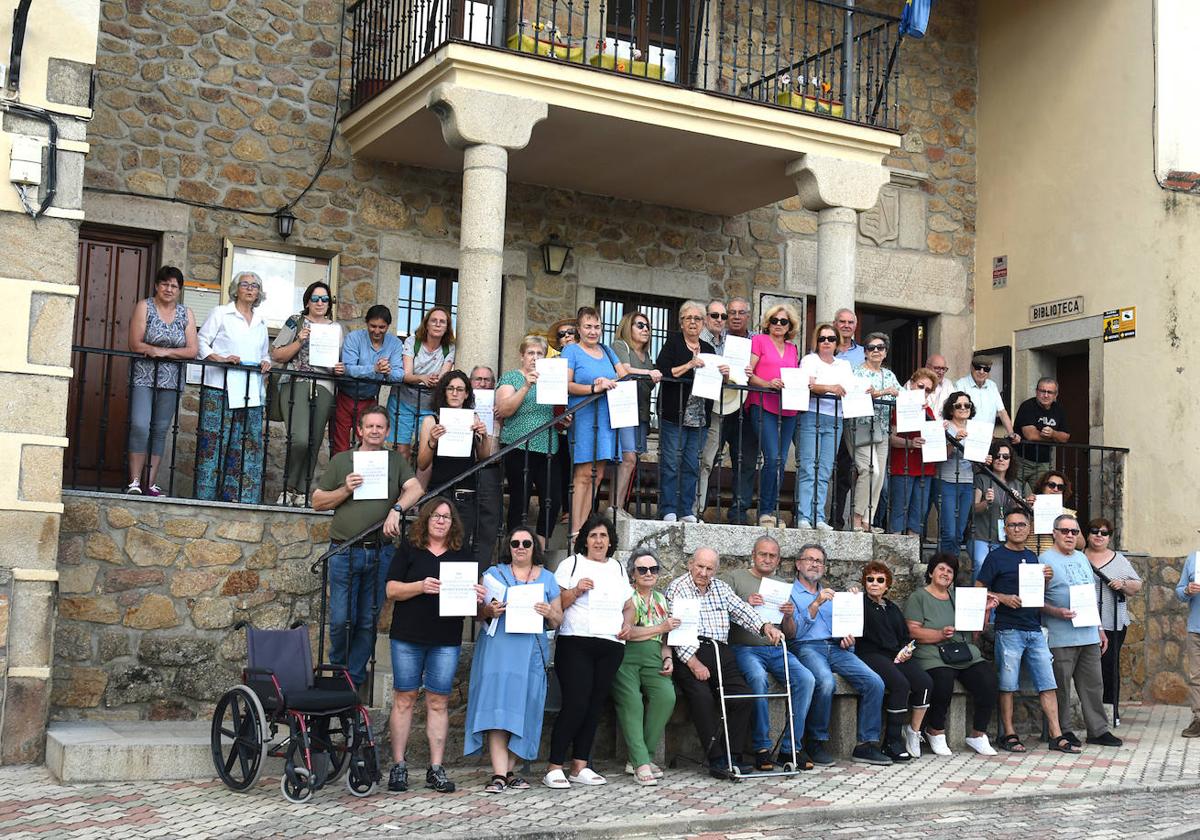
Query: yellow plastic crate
[[527, 44], [626, 65], [815, 104]]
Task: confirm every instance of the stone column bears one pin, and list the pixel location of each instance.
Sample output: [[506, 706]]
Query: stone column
[[837, 190], [485, 126]]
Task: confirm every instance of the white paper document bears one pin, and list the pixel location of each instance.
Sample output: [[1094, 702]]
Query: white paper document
[[243, 389], [687, 610], [1046, 508], [459, 438], [194, 374], [606, 606], [857, 404], [847, 614], [519, 615], [623, 405], [373, 467], [324, 344], [970, 604], [934, 448], [552, 381], [1196, 567], [485, 407], [1031, 584], [978, 440], [737, 356], [494, 591], [775, 593], [910, 410], [1083, 604], [795, 395], [457, 596], [707, 380]]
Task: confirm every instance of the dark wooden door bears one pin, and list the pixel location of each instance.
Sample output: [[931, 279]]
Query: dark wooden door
[[906, 331], [115, 271], [1073, 398]]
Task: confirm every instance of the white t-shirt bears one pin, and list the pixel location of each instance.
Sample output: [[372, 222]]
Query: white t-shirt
[[609, 575], [987, 400], [837, 372]]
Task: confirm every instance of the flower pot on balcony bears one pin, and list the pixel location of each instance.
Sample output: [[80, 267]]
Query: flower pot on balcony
[[546, 47], [806, 102], [627, 65]]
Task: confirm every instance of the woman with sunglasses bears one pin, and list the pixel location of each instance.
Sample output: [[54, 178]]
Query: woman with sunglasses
[[1116, 580], [771, 350], [956, 475], [869, 435], [994, 498], [428, 354], [819, 433], [507, 699], [645, 671], [632, 346], [306, 403], [910, 477], [1052, 483], [562, 333]]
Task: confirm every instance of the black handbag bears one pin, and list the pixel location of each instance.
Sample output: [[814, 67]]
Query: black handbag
[[955, 653]]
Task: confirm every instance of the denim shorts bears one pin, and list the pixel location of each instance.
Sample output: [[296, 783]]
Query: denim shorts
[[1030, 645], [633, 438], [415, 665]]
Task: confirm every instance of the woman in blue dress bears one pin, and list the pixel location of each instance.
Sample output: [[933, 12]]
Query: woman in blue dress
[[507, 697], [591, 369]]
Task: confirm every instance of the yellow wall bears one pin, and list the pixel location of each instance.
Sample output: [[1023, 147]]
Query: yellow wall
[[1067, 191]]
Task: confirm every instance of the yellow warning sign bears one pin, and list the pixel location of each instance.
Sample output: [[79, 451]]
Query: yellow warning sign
[[1120, 323]]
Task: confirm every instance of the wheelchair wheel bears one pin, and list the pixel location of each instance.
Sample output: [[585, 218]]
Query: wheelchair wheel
[[238, 738], [295, 785], [363, 775]]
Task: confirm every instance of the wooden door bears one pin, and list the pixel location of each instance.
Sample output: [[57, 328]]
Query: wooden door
[[115, 271], [1072, 375]]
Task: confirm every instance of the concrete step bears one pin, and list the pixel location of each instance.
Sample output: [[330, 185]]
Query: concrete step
[[125, 751]]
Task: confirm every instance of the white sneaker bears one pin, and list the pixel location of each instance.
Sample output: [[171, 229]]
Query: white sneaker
[[556, 779], [824, 526], [689, 518], [670, 517], [981, 745], [804, 523], [937, 743], [284, 498], [134, 488], [912, 740], [588, 776]]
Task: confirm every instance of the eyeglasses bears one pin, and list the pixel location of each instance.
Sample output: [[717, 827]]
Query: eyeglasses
[[1055, 485], [940, 369], [319, 299], [441, 517], [646, 570], [1002, 456], [780, 322], [1016, 524], [1072, 531], [692, 318], [482, 380], [874, 579], [962, 406], [520, 543], [812, 561], [247, 284], [827, 339], [565, 333], [720, 316], [741, 313], [1049, 391], [876, 348], [984, 368], [1099, 532], [456, 389], [641, 325]]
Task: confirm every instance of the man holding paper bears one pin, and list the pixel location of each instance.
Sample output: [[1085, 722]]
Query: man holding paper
[[824, 655], [771, 598], [1076, 638], [696, 664], [1019, 631], [1188, 591], [363, 488]]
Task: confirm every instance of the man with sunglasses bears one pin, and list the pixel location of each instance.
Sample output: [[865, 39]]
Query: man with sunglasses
[[986, 395], [1076, 650], [1042, 423]]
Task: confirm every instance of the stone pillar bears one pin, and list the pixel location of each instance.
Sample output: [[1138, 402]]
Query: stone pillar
[[837, 190], [485, 126]]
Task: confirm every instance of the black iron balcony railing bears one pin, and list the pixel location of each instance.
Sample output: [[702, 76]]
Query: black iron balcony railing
[[823, 57]]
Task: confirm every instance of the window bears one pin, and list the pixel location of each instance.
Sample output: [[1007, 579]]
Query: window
[[286, 272], [663, 313], [656, 27], [421, 288]]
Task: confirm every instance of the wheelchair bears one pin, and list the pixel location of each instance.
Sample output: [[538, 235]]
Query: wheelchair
[[328, 729]]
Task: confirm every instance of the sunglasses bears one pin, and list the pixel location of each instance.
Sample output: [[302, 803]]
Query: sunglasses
[[1072, 531], [565, 333], [641, 325], [874, 579], [875, 348], [720, 316], [1003, 456], [520, 543], [780, 322], [1055, 485], [963, 406], [319, 299], [1099, 532], [646, 570], [984, 368], [827, 339]]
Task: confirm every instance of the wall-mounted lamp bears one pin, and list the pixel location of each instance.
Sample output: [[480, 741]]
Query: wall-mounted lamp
[[554, 254], [285, 220]]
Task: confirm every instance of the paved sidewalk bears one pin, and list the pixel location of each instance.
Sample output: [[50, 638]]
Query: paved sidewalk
[[1154, 759]]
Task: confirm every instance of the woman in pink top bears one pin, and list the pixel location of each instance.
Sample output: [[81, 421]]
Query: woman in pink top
[[770, 351]]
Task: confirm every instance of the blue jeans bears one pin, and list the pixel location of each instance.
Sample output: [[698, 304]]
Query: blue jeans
[[910, 503], [825, 658], [760, 662], [1013, 646], [737, 431], [953, 515], [817, 439], [357, 591], [678, 467], [775, 439]]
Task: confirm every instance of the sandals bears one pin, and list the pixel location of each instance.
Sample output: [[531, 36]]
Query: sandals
[[645, 776], [498, 784], [514, 782], [1063, 744], [1011, 743]]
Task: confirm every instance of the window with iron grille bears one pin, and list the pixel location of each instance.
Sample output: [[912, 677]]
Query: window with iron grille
[[421, 288]]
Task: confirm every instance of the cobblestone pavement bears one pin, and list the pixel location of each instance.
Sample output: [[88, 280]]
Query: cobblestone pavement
[[966, 795]]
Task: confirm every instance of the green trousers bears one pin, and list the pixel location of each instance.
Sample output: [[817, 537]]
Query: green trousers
[[643, 697], [306, 410]]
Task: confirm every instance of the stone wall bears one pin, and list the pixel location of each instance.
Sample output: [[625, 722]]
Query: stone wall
[[1153, 668], [149, 592]]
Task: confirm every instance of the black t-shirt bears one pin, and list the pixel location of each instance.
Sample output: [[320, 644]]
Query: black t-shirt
[[1031, 413], [417, 620], [999, 574]]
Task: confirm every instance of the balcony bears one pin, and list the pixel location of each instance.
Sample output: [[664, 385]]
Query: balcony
[[697, 104]]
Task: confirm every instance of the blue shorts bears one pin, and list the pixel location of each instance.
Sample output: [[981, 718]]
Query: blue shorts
[[633, 438], [415, 665], [1013, 646]]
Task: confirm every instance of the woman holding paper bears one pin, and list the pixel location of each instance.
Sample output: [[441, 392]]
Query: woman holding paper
[[229, 434], [956, 474], [507, 701], [592, 368], [307, 403], [632, 346], [1052, 483], [428, 354], [911, 477], [1115, 580], [683, 418], [771, 351], [992, 502], [869, 435], [948, 654], [645, 670], [819, 432]]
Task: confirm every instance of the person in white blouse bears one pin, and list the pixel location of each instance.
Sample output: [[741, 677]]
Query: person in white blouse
[[229, 437]]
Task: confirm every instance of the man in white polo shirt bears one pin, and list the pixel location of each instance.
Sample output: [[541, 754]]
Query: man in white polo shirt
[[985, 395]]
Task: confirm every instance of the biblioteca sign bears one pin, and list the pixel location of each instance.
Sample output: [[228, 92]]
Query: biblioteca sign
[[1055, 309]]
